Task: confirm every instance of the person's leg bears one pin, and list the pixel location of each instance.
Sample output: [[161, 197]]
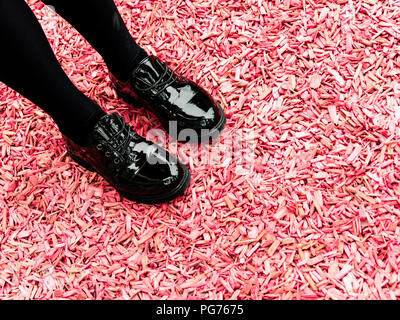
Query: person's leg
[[28, 65], [100, 23], [191, 107]]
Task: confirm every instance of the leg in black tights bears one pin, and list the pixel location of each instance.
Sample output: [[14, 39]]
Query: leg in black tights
[[28, 65], [100, 23]]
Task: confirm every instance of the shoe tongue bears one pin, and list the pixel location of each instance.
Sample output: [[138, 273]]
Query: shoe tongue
[[109, 125], [149, 71]]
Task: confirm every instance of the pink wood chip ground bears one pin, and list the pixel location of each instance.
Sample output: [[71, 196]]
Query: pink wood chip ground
[[312, 88]]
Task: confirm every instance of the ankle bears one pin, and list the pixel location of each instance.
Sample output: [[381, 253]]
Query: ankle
[[123, 71], [79, 133]]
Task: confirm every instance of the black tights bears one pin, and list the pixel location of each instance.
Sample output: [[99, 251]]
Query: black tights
[[28, 64]]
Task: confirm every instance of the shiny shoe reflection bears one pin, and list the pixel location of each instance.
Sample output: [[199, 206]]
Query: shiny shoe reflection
[[138, 169], [179, 103]]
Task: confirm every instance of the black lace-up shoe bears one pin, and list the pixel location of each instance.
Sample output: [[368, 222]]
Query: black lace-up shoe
[[140, 170], [184, 108]]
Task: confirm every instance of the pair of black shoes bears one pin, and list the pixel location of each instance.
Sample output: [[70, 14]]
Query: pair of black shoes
[[139, 169]]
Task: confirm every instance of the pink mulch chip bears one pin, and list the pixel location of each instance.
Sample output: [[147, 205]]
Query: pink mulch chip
[[310, 87]]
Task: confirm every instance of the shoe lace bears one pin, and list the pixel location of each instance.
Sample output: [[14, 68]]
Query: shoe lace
[[168, 77], [119, 148]]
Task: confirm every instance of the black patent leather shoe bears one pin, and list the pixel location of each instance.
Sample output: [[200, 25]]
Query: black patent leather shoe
[[186, 110], [138, 169]]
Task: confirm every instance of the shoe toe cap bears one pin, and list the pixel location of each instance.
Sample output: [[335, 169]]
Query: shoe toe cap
[[210, 112], [160, 173]]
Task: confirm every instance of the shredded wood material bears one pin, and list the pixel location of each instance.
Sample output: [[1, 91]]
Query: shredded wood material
[[310, 213]]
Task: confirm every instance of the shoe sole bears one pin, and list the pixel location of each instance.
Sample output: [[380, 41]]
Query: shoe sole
[[213, 133], [178, 191]]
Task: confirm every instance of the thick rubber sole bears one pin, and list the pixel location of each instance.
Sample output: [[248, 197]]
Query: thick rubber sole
[[178, 191], [212, 133]]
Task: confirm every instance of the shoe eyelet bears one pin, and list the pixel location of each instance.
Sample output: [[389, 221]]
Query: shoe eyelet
[[99, 147], [116, 161], [108, 154]]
